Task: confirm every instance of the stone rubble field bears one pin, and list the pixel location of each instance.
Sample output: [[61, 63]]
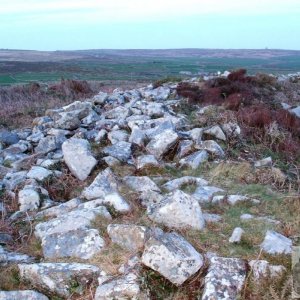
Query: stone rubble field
[[118, 197]]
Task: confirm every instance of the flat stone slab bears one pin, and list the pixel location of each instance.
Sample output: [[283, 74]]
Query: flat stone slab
[[225, 278], [80, 243], [276, 243], [77, 219], [57, 278], [172, 256]]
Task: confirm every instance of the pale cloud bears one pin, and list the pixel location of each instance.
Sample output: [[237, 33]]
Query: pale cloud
[[140, 10]]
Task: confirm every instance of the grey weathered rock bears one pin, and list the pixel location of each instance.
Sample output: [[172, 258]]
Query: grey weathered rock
[[231, 129], [13, 180], [216, 131], [58, 278], [225, 278], [212, 218], [182, 181], [80, 243], [120, 150], [8, 257], [123, 287], [212, 147], [118, 136], [194, 160], [137, 137], [178, 210], [153, 109], [39, 173], [234, 199], [59, 209], [185, 147], [205, 194], [104, 189], [8, 138], [22, 295], [296, 111], [158, 94], [236, 235], [5, 238], [100, 98], [29, 198], [162, 143], [146, 161], [111, 161], [276, 243], [262, 269], [141, 183], [128, 236], [78, 157], [172, 256], [266, 162], [76, 219], [48, 143]]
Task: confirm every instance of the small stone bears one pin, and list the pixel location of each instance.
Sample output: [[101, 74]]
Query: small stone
[[236, 235], [234, 199], [146, 161], [212, 147], [276, 243], [194, 160], [183, 181], [185, 147], [212, 218], [266, 162], [39, 173], [204, 194], [216, 131], [118, 136], [120, 150], [29, 198]]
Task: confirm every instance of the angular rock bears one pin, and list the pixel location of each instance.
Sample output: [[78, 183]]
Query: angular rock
[[141, 183], [12, 180], [236, 235], [234, 199], [262, 269], [205, 194], [212, 147], [120, 150], [78, 157], [194, 160], [137, 137], [276, 243], [172, 256], [162, 143], [58, 278], [212, 218], [118, 136], [182, 181], [47, 144], [39, 173], [216, 131], [146, 161], [80, 243], [77, 219], [8, 138], [29, 198], [123, 287], [225, 278], [8, 257], [185, 147], [159, 94], [178, 210], [231, 129], [22, 295], [128, 236], [266, 162]]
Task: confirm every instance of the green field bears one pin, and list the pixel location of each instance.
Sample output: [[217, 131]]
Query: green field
[[137, 68]]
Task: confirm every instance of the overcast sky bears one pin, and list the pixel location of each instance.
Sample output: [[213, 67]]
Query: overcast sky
[[130, 24]]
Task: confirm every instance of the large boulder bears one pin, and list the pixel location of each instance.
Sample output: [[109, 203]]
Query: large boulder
[[78, 157], [172, 256]]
